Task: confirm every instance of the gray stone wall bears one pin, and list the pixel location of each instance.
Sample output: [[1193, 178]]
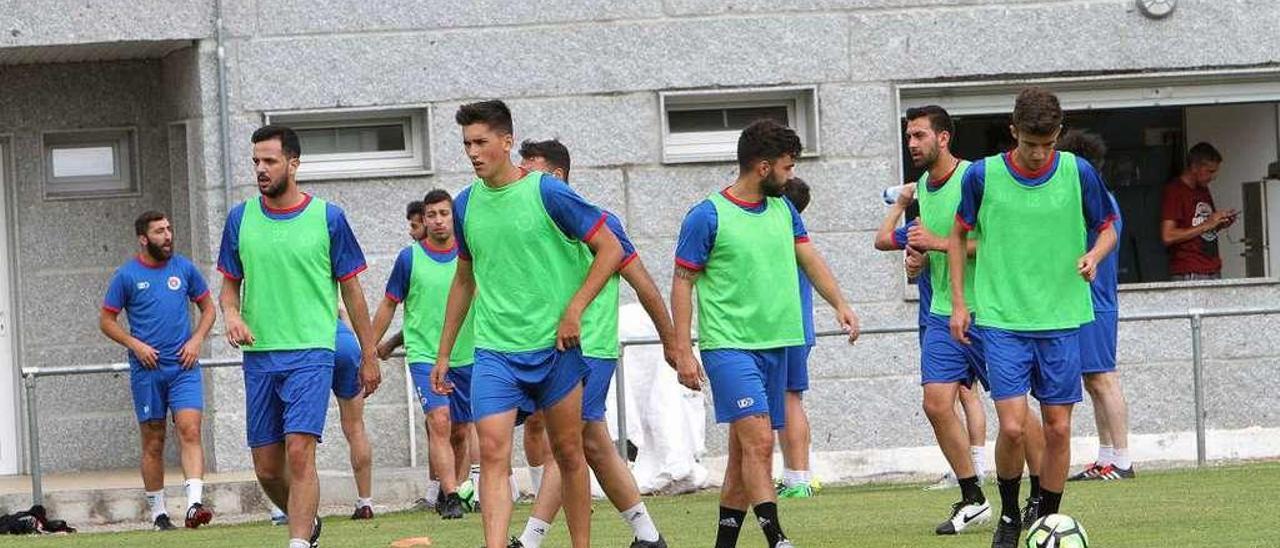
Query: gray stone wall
[[589, 72]]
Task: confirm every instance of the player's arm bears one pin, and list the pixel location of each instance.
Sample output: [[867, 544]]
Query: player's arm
[[461, 292], [382, 321], [1099, 216], [390, 344], [238, 332], [687, 367], [358, 312], [607, 250], [884, 235], [191, 349], [825, 283], [113, 330], [1088, 264], [651, 299], [957, 254]]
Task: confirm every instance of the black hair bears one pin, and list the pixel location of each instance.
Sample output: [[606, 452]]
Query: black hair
[[436, 195], [414, 208], [766, 140], [1037, 112], [1203, 153], [143, 222], [551, 150], [493, 113], [797, 191], [939, 119], [288, 139], [1085, 144]]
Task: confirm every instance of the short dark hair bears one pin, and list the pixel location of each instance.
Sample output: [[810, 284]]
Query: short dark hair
[[766, 140], [1085, 144], [1037, 112], [288, 139], [143, 222], [414, 208], [797, 191], [939, 119], [492, 113], [551, 150], [1203, 153], [435, 196]]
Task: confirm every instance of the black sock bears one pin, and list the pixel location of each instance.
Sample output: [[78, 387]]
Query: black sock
[[767, 515], [1035, 486], [730, 526], [1009, 497], [1050, 502], [971, 491]]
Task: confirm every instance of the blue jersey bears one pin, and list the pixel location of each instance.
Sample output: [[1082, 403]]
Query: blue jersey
[[924, 285], [155, 297], [806, 308], [345, 257], [698, 231], [574, 216], [628, 249], [1108, 278]]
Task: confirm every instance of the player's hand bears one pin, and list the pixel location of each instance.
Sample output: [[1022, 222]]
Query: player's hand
[[190, 353], [920, 238], [689, 372], [385, 349], [440, 377], [569, 332], [848, 321], [370, 373], [914, 262], [907, 195], [1087, 266], [960, 321], [147, 355], [238, 332], [671, 355]]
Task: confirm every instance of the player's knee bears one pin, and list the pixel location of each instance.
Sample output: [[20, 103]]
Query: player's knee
[[188, 434], [458, 436], [1012, 431], [1057, 429], [937, 409], [756, 446], [438, 423], [494, 449], [596, 448]]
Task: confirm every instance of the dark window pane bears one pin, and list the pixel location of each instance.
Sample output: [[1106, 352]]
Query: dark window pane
[[740, 118], [346, 140], [685, 121]]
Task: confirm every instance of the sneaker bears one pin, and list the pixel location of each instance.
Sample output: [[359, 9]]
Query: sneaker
[[637, 543], [947, 481], [515, 543], [1090, 472], [363, 512], [1111, 472], [451, 508], [778, 487], [1031, 512], [797, 491], [964, 514], [280, 519], [198, 515], [163, 523], [784, 543], [1007, 533], [315, 533]]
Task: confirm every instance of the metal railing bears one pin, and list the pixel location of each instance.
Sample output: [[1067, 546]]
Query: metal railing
[[1196, 316]]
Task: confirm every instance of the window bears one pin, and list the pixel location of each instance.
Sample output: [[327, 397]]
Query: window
[[350, 143], [90, 163], [703, 126]]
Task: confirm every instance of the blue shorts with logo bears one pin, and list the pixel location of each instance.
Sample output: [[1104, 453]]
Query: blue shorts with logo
[[798, 367], [346, 365], [167, 388], [596, 390], [1098, 343], [745, 383], [946, 360], [289, 396], [525, 381], [1045, 364], [458, 401]]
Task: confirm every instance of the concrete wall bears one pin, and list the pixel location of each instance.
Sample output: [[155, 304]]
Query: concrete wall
[[589, 72]]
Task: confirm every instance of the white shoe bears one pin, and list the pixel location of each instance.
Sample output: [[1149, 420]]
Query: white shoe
[[784, 543], [964, 514], [947, 481]]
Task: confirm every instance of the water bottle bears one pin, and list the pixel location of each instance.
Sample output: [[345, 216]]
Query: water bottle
[[890, 195]]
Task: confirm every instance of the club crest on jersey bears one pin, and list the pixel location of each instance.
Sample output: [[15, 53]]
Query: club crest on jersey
[[746, 402], [174, 283]]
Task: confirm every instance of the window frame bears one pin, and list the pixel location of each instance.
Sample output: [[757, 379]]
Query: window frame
[[801, 103], [124, 182], [414, 160]]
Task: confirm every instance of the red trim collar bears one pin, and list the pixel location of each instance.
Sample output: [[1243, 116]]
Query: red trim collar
[[145, 261], [426, 245], [306, 199], [1039, 173], [935, 183], [742, 203]]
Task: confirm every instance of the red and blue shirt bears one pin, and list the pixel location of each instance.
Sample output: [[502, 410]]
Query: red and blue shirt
[[155, 297]]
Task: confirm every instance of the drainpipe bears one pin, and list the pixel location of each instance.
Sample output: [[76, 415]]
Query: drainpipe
[[224, 116]]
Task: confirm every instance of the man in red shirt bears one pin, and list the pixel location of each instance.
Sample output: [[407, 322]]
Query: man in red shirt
[[1189, 224]]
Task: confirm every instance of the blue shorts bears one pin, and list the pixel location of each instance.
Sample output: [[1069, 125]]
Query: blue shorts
[[346, 365], [287, 401], [1047, 366], [1098, 343], [458, 401], [946, 360], [430, 400], [526, 381], [798, 367], [596, 391], [156, 392], [745, 383]]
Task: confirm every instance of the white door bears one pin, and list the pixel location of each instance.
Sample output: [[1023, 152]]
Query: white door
[[9, 418]]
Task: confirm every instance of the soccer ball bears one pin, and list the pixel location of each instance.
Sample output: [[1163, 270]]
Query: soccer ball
[[1057, 531]]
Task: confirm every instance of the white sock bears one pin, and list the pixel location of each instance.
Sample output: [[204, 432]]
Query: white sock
[[978, 454], [535, 476], [276, 512], [155, 499], [515, 489], [362, 503], [534, 531], [792, 478], [1105, 455], [299, 543], [195, 491], [1120, 458], [475, 474], [641, 523], [433, 491]]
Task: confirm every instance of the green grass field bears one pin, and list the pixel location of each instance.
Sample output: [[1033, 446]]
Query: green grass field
[[1223, 507]]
